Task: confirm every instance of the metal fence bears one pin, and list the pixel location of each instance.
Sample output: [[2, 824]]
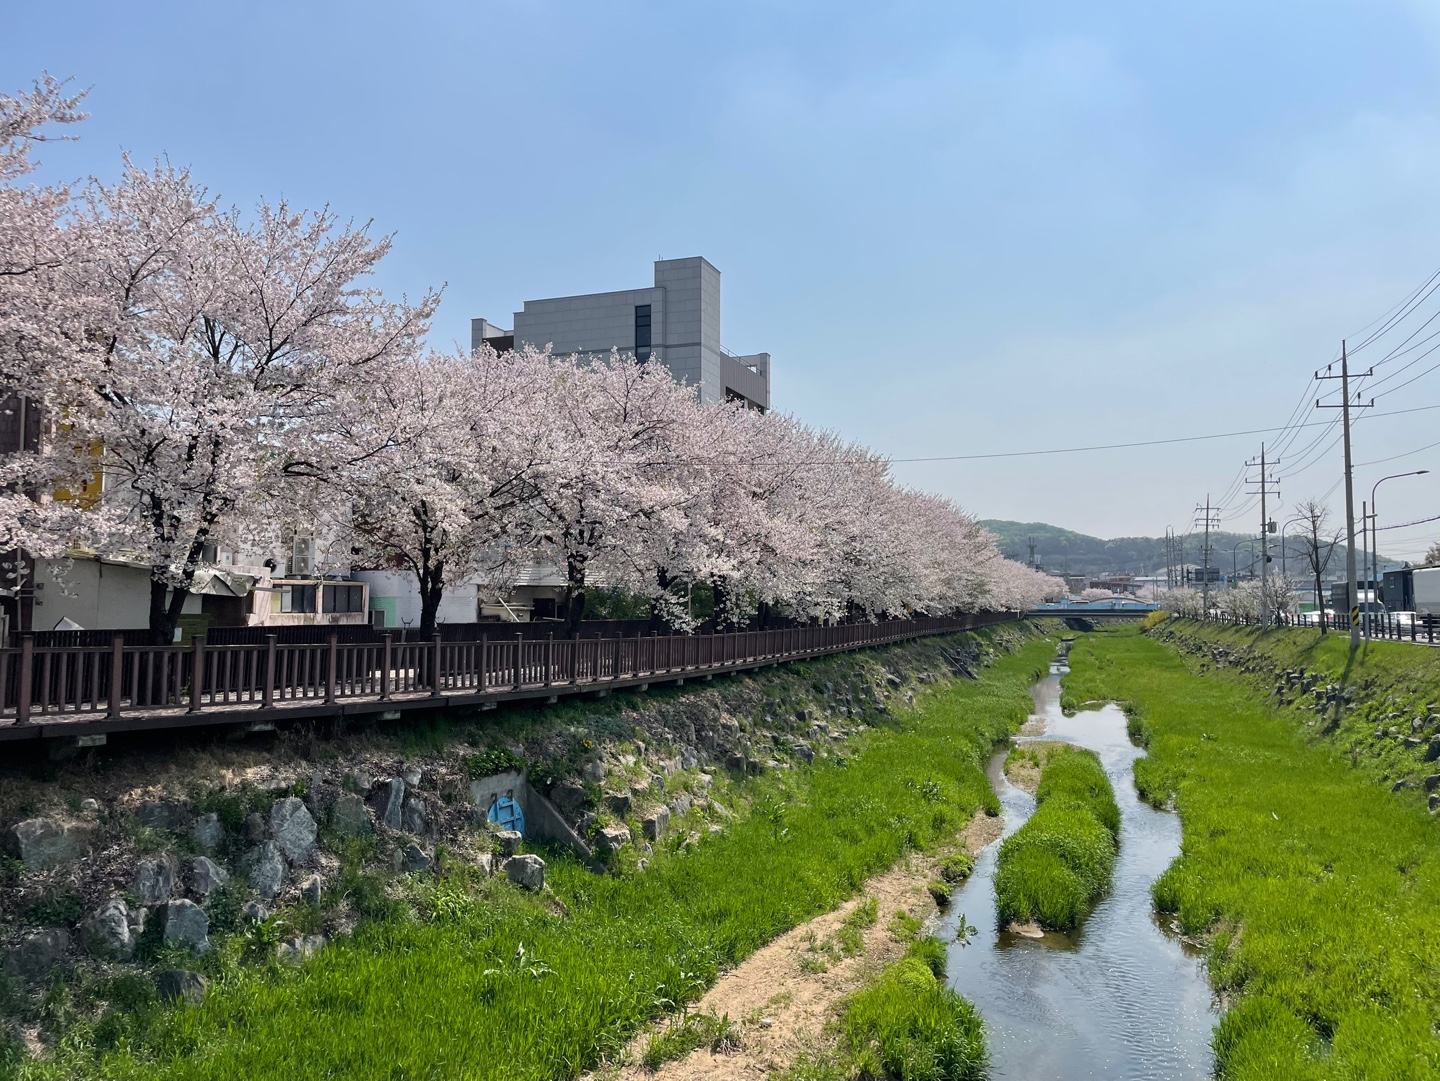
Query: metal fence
[[1389, 626], [121, 679]]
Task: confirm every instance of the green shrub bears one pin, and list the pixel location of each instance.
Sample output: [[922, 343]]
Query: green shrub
[[909, 1025], [939, 890], [1137, 730], [1058, 863], [957, 868]]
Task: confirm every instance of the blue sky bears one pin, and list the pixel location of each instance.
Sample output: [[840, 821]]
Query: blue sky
[[957, 228]]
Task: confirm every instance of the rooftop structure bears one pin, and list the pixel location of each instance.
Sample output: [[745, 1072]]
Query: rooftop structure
[[676, 321]]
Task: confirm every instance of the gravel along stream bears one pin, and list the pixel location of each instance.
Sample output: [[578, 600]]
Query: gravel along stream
[[1121, 998]]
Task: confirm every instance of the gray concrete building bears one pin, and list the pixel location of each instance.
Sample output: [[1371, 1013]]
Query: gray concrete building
[[676, 321]]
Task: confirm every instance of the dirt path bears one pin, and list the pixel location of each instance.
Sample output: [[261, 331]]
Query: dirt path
[[782, 995]]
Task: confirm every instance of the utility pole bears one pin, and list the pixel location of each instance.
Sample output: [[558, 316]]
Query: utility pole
[[1033, 544], [1265, 490], [1210, 520], [1344, 408]]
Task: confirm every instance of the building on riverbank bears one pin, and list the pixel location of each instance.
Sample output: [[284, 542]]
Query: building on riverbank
[[675, 321]]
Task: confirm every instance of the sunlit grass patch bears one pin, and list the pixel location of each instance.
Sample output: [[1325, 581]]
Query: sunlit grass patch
[[1052, 869]]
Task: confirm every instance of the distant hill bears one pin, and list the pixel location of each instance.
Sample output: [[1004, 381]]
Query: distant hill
[[1063, 551]]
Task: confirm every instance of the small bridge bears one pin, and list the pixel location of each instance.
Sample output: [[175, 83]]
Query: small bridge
[[1106, 610]]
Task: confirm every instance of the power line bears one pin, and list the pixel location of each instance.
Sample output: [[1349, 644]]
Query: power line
[[1141, 443]]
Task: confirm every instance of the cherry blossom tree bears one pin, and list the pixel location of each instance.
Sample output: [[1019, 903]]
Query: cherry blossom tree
[[221, 343]]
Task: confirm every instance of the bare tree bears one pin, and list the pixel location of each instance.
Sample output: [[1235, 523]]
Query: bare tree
[[1432, 556], [1318, 542]]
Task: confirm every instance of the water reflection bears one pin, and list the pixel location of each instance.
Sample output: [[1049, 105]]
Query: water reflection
[[1120, 998]]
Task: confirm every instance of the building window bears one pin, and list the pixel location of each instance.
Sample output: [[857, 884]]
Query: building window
[[642, 332], [344, 598], [297, 599]]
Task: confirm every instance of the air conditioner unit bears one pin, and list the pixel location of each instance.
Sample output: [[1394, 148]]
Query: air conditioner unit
[[302, 557]]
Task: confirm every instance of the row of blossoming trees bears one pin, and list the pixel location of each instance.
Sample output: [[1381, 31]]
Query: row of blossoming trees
[[223, 373]]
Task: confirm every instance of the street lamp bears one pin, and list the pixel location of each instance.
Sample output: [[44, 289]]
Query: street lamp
[[1235, 559], [1375, 532]]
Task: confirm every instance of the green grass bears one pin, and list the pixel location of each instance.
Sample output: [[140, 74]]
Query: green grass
[[502, 984], [1055, 866], [1316, 890], [909, 1025]]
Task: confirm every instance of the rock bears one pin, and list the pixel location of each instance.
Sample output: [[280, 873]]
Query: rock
[[680, 805], [568, 796], [892, 679], [653, 825], [209, 833], [359, 780], [486, 862], [688, 758], [613, 838], [526, 871], [594, 772], [411, 775], [187, 925], [206, 876], [390, 802], [714, 829], [1432, 782], [254, 912], [154, 881], [509, 841], [416, 859], [178, 985], [300, 948], [163, 815], [37, 954], [1434, 800], [294, 829], [804, 752], [657, 783], [642, 864], [264, 866], [704, 780], [803, 715], [584, 822], [350, 817], [735, 763], [310, 889], [90, 806], [112, 932], [619, 803], [1412, 741], [253, 828], [1403, 783], [412, 817], [1432, 749], [42, 844], [321, 796]]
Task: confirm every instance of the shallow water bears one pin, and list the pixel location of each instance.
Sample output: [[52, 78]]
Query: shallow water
[[1120, 998]]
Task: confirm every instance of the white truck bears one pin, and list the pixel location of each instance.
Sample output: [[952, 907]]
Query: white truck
[[1426, 583]]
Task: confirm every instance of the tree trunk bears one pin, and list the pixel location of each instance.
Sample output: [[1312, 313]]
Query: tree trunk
[[165, 616], [574, 594], [432, 589]]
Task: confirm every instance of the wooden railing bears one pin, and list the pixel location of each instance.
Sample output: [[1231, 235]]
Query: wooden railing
[[69, 682]]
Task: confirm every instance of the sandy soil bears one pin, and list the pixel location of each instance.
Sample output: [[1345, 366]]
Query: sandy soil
[[778, 997]]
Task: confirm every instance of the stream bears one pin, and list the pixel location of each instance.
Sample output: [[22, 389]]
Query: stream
[[1121, 998]]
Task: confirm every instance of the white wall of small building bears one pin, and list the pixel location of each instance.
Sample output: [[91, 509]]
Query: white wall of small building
[[397, 594], [97, 596]]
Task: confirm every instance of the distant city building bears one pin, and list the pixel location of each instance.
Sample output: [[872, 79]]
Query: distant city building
[[676, 322]]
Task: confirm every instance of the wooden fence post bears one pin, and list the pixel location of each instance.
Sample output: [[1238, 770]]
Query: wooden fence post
[[386, 667], [27, 679], [117, 674], [197, 671], [334, 652], [435, 678], [267, 693]]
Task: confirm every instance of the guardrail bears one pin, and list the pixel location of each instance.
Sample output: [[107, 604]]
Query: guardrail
[[41, 684], [1382, 625]]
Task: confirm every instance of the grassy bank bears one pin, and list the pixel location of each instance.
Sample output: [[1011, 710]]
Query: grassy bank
[[493, 982], [1379, 705], [1055, 866], [1316, 890]]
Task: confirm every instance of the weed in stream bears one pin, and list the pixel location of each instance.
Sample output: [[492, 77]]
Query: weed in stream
[[1059, 862]]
